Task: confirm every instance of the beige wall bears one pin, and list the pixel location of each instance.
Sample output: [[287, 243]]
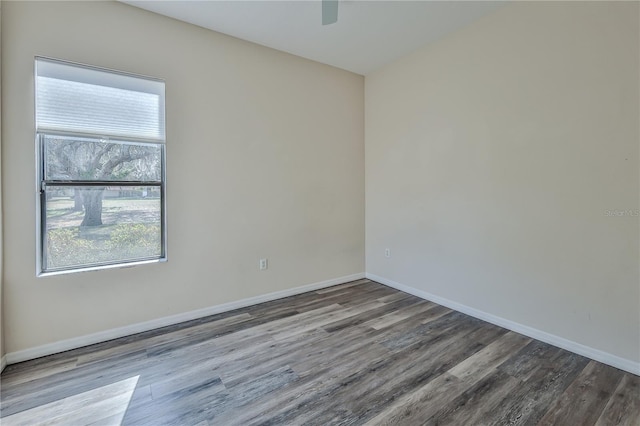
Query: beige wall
[[492, 157], [265, 159], [2, 351]]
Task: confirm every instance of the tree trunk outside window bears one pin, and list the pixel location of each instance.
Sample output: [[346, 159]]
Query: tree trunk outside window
[[92, 201]]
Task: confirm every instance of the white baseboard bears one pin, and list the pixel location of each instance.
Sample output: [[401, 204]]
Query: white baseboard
[[102, 336], [3, 363], [578, 348]]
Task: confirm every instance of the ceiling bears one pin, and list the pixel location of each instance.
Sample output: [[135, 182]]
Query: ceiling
[[368, 34]]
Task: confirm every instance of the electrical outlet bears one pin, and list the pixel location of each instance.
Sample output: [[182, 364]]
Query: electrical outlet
[[387, 252], [264, 264]]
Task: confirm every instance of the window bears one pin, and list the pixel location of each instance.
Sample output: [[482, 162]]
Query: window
[[100, 167]]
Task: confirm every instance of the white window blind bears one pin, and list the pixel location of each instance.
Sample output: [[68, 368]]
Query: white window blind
[[79, 99]]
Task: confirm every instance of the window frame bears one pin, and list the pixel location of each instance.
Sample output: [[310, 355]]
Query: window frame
[[42, 182]]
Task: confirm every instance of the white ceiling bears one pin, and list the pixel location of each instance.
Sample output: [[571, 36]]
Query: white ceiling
[[368, 34]]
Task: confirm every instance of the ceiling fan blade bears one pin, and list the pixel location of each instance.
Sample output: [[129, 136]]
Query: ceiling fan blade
[[329, 12]]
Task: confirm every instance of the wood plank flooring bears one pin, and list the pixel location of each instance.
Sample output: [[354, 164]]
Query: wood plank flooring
[[354, 354]]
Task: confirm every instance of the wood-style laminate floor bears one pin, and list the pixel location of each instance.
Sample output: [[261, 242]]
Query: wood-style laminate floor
[[357, 353]]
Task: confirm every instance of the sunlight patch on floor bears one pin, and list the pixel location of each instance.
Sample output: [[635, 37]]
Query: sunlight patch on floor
[[106, 405]]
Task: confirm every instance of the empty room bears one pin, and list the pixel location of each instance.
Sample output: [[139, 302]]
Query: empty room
[[319, 212]]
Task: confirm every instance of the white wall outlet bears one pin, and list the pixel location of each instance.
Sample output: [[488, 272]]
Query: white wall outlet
[[264, 264], [387, 252]]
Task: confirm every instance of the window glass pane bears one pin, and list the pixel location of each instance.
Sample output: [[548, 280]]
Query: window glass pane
[[88, 226], [71, 158]]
